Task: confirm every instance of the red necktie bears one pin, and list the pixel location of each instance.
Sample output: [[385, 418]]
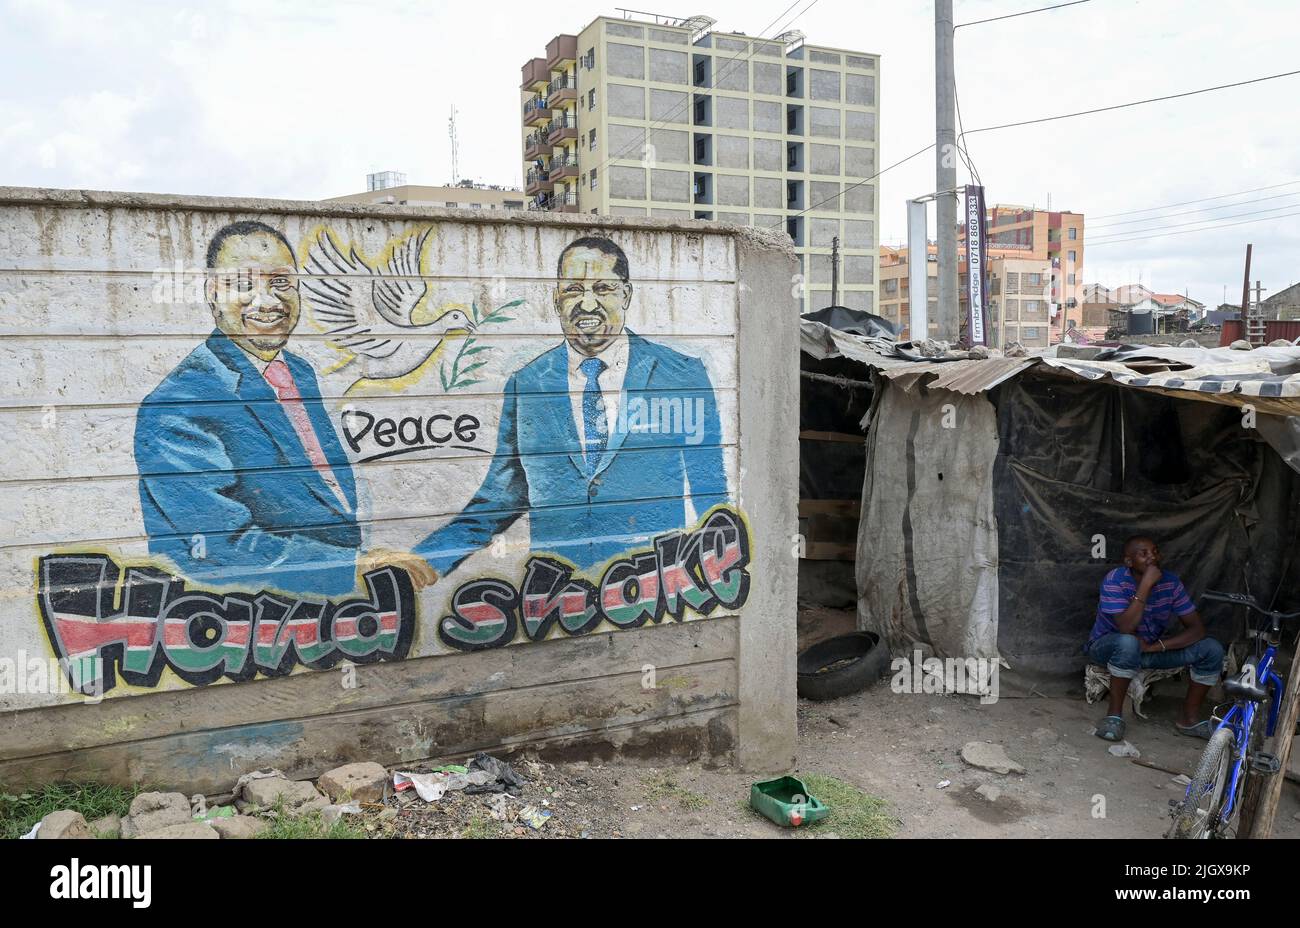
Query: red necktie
[[279, 376]]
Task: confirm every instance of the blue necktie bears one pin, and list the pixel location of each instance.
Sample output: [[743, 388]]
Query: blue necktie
[[595, 426]]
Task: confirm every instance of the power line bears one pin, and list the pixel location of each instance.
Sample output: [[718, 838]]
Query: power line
[[1188, 212], [1041, 9], [1120, 106], [1213, 228], [848, 187], [1194, 222], [1222, 196]]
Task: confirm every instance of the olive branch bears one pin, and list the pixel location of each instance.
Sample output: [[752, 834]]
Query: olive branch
[[459, 376]]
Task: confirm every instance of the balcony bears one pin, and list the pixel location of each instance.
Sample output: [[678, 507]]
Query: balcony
[[563, 166], [564, 127], [533, 74], [561, 49], [566, 202], [538, 181], [536, 146], [561, 90], [536, 111]]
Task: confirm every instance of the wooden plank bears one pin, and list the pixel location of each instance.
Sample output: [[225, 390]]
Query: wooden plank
[[835, 507], [828, 551], [78, 726], [212, 760], [833, 436]]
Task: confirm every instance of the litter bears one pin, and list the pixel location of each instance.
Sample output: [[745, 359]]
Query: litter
[[215, 812], [787, 802], [32, 833], [429, 786], [1124, 750], [534, 817], [943, 784], [504, 777]]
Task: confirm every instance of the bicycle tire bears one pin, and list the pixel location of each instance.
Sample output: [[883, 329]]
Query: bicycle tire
[[1211, 779]]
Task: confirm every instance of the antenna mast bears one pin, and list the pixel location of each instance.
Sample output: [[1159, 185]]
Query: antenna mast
[[455, 154]]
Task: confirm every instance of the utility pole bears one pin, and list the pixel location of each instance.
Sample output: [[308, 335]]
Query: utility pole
[[945, 151], [835, 271]]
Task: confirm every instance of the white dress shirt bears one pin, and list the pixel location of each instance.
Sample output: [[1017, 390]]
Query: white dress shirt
[[610, 380]]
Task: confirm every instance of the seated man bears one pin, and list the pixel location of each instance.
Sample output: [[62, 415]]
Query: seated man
[[1138, 601]]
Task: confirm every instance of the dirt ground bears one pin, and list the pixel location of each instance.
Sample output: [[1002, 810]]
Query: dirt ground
[[895, 746]]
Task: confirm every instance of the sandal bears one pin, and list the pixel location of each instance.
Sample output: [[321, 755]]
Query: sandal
[[1111, 728], [1202, 729]]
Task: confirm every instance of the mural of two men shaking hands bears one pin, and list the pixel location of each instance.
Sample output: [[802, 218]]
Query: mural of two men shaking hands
[[244, 481]]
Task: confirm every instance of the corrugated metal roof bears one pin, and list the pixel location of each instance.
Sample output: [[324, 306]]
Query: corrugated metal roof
[[966, 377]]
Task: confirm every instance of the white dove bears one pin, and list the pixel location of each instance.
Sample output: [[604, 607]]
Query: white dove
[[382, 318]]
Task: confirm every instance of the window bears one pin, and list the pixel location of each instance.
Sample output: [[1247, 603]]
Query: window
[[1035, 280], [593, 178], [591, 144], [1074, 233], [1030, 332], [1071, 280], [891, 285], [1074, 256], [589, 62], [591, 99]]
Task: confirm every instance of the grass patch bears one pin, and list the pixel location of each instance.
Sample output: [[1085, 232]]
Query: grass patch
[[299, 827], [479, 827], [854, 814], [661, 787], [19, 812]]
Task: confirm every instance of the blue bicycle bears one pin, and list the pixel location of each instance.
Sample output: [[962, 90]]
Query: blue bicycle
[[1234, 752]]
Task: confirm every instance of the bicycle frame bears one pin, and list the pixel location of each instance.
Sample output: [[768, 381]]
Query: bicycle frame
[[1240, 720]]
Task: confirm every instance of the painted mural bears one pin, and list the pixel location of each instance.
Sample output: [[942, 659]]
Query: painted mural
[[604, 456]]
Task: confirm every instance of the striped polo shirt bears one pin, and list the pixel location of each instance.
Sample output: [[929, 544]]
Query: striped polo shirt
[[1167, 598]]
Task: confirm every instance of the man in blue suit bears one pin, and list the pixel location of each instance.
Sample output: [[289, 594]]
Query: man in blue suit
[[243, 480], [602, 439]]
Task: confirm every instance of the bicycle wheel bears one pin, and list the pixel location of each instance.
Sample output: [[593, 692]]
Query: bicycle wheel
[[1197, 815]]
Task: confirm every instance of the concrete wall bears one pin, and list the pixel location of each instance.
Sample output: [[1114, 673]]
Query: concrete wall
[[243, 434]]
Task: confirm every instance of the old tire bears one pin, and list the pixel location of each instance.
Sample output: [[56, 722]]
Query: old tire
[[841, 666]]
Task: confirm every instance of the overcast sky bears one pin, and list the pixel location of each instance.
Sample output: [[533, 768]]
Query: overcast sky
[[301, 99]]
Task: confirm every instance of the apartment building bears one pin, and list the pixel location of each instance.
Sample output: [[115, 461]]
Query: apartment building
[[670, 118], [1035, 234], [391, 187], [1018, 292]]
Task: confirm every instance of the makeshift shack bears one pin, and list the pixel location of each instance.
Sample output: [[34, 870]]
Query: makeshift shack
[[998, 491]]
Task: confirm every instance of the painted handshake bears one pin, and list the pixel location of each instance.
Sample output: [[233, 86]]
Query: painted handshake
[[416, 567]]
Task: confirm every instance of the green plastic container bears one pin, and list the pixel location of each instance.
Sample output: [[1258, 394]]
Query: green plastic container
[[787, 802]]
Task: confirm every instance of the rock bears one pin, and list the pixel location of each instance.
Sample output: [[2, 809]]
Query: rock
[[363, 782], [64, 824], [388, 815], [152, 811], [991, 793], [1189, 343], [298, 796], [189, 830], [1240, 345], [1016, 350], [110, 826], [978, 352], [1280, 343], [991, 757], [238, 826]]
